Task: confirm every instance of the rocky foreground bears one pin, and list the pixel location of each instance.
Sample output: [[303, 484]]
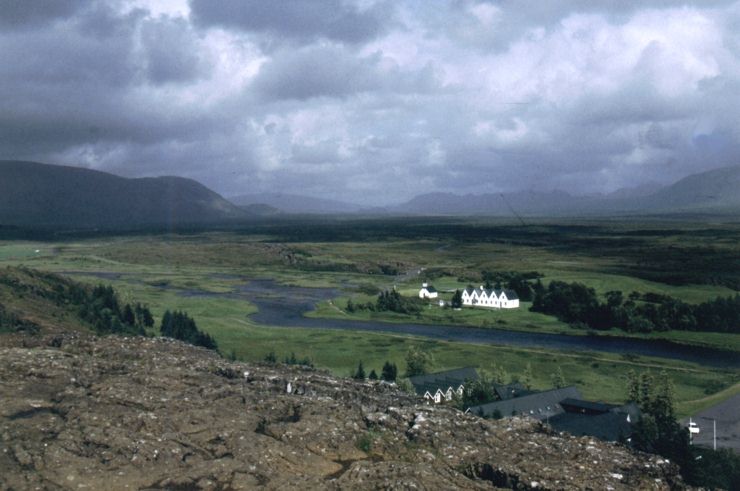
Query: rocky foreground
[[80, 412]]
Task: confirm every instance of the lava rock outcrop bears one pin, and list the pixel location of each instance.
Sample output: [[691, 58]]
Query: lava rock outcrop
[[81, 412]]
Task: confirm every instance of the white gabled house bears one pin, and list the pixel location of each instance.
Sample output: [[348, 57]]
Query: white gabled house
[[490, 298], [443, 386], [428, 291]]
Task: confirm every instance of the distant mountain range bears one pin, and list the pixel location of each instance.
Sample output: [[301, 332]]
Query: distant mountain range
[[33, 194], [296, 204], [714, 191], [41, 194]]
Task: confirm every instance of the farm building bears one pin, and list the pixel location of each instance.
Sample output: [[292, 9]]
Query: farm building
[[490, 298], [443, 386]]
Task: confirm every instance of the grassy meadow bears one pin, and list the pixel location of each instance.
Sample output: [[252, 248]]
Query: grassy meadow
[[691, 262]]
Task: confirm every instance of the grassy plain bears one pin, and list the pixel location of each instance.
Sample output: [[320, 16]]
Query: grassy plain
[[692, 262]]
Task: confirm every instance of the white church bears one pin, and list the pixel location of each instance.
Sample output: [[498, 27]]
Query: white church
[[428, 291], [490, 298]]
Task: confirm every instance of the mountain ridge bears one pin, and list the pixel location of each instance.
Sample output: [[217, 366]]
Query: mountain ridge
[[710, 191], [33, 193]]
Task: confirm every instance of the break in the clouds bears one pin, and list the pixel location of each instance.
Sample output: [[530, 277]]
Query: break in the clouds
[[374, 101]]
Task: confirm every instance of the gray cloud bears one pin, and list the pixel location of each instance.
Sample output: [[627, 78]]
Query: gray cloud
[[171, 51], [374, 101], [315, 71], [296, 19], [34, 13]]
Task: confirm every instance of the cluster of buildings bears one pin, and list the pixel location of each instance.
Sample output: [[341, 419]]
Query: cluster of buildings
[[443, 386], [490, 297], [478, 297], [564, 409]]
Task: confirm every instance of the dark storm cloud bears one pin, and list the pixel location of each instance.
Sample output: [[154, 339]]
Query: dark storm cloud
[[171, 51], [35, 13], [58, 56], [80, 88], [295, 19], [315, 71], [374, 101]]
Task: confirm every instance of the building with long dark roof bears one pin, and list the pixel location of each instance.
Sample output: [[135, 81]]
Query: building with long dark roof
[[443, 386]]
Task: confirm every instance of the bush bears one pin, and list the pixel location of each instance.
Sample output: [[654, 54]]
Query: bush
[[418, 362]]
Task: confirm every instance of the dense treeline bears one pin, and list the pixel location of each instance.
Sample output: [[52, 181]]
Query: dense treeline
[[578, 304], [393, 301], [388, 301], [180, 326], [101, 308], [512, 280]]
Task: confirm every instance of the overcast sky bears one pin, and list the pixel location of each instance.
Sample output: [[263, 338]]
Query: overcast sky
[[374, 101]]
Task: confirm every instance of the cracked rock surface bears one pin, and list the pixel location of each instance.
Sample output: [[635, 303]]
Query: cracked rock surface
[[80, 412]]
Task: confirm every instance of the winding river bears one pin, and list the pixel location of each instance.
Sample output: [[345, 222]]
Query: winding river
[[285, 306]]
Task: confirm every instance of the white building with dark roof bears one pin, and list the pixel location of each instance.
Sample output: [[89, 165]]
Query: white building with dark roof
[[428, 291], [443, 386], [490, 298]]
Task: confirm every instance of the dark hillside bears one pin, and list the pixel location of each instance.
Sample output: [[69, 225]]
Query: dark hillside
[[717, 189], [40, 194]]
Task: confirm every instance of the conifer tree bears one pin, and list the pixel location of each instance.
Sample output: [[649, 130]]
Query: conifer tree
[[389, 372], [457, 300], [360, 373], [128, 316]]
